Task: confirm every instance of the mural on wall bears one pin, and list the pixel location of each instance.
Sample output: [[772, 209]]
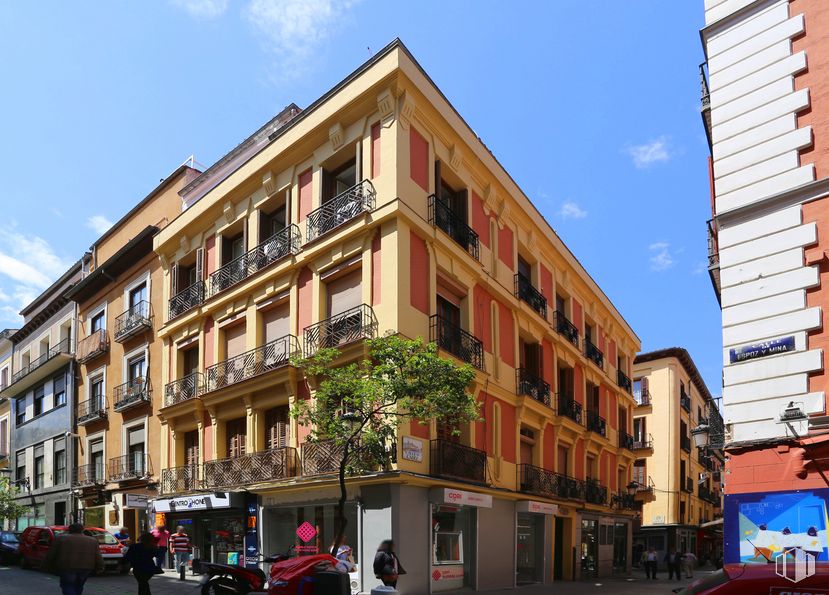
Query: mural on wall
[[760, 526]]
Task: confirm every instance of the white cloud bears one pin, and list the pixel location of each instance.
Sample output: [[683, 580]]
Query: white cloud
[[655, 151], [98, 223], [700, 268], [570, 210], [294, 29], [203, 9], [661, 257]]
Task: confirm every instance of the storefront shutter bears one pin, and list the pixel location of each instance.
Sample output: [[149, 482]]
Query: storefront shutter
[[344, 293]]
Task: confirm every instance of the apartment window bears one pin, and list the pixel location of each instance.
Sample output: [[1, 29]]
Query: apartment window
[[96, 459], [276, 323], [4, 436], [563, 457], [4, 378], [39, 467], [191, 448], [236, 437], [640, 475], [59, 390], [60, 462], [135, 368], [20, 462], [20, 410], [278, 428], [232, 248], [98, 321], [39, 397], [137, 295], [135, 445], [96, 394], [561, 305], [271, 223], [338, 179], [639, 434]]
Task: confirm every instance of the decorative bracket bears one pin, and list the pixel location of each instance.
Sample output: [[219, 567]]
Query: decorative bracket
[[336, 136], [269, 183], [385, 104]]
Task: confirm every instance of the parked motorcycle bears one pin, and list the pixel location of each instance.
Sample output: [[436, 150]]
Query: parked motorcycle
[[227, 579]]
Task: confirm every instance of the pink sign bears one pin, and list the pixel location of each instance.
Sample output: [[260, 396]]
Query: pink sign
[[306, 532]]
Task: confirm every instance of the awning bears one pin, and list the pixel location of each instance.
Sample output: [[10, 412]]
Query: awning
[[711, 524]]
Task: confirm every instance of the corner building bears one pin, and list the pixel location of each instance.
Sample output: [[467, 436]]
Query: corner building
[[765, 105], [375, 210]]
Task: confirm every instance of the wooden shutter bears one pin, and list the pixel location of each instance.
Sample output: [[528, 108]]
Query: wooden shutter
[[644, 384], [173, 279], [345, 292], [279, 428], [236, 437], [437, 179], [191, 448], [199, 264]]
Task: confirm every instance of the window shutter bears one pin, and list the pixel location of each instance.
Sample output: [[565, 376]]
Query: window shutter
[[358, 161], [327, 186], [173, 279], [437, 179], [644, 384], [199, 264]]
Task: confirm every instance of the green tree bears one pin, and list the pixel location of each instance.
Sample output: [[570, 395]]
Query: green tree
[[359, 406], [10, 509]]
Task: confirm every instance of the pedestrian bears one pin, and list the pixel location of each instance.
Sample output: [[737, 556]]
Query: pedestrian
[[673, 560], [387, 566], [162, 537], [688, 561], [180, 548], [142, 557], [123, 536], [74, 556], [651, 563]]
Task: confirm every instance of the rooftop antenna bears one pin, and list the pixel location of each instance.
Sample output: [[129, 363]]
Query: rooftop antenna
[[370, 53]]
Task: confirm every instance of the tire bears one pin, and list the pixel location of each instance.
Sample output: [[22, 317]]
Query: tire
[[219, 586]]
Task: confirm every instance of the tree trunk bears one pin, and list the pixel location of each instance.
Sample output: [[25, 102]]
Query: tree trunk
[[339, 514]]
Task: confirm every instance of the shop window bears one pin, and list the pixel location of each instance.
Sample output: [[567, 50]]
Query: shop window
[[529, 566], [282, 523], [59, 390], [453, 543], [278, 430], [589, 547], [39, 398]]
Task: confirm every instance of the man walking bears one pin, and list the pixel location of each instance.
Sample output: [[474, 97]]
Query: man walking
[[180, 547], [162, 536], [673, 559], [650, 563], [74, 556]]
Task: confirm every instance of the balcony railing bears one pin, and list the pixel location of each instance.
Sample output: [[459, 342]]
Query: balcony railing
[[186, 299], [92, 346], [623, 381], [352, 325], [642, 443], [188, 387], [624, 500], [319, 458], [642, 397], [527, 383], [535, 480], [525, 291], [566, 328], [595, 492], [342, 208], [685, 401], [89, 475], [456, 341], [92, 410], [255, 467], [705, 494], [61, 347], [178, 480], [625, 440], [593, 353], [685, 443], [442, 217], [130, 466], [138, 318], [131, 393], [713, 256], [596, 423], [451, 460], [270, 356], [276, 247], [568, 407]]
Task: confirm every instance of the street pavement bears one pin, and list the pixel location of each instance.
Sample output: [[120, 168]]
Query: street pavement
[[14, 581]]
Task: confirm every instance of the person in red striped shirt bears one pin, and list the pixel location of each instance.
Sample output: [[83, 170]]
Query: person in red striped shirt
[[180, 548]]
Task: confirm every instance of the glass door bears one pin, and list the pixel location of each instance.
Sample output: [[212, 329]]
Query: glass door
[[530, 549]]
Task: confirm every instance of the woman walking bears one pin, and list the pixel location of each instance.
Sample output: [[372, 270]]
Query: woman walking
[[141, 556], [387, 566]]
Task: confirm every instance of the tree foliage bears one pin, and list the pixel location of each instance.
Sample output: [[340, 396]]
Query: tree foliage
[[10, 508]]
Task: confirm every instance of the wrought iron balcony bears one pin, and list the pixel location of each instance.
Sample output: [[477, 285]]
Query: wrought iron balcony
[[642, 443], [568, 407], [188, 387], [178, 480], [714, 257], [130, 394], [255, 467], [186, 299], [595, 492], [685, 443], [685, 401], [525, 291], [352, 325], [535, 480], [642, 397], [91, 474], [92, 410], [596, 423], [344, 207], [593, 353], [275, 248], [625, 440], [527, 383], [136, 319], [623, 381], [456, 341], [451, 460], [270, 356], [320, 458], [443, 217], [624, 500], [92, 346], [566, 328], [704, 493], [130, 466], [61, 347]]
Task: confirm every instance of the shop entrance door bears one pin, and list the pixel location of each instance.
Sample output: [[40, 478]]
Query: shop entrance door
[[558, 552], [589, 548], [530, 549]]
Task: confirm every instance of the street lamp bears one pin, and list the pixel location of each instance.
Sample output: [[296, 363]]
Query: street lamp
[[632, 487], [701, 435]]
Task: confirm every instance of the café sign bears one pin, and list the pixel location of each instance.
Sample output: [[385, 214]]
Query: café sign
[[758, 350]]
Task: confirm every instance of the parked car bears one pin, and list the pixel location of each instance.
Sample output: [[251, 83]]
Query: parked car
[[9, 550], [36, 541], [741, 579]]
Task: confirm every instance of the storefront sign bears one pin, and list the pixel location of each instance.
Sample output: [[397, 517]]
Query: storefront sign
[[536, 507], [252, 533], [764, 349], [200, 502], [462, 498], [306, 532], [447, 577], [135, 501], [412, 449]]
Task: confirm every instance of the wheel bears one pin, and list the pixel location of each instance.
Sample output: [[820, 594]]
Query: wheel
[[219, 586]]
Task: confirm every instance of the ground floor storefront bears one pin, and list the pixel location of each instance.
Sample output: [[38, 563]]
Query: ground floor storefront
[[605, 545], [664, 538], [112, 510], [45, 508]]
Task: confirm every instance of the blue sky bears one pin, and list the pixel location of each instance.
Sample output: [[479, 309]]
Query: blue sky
[[592, 106]]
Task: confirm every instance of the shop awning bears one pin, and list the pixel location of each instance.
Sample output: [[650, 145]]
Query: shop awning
[[711, 524]]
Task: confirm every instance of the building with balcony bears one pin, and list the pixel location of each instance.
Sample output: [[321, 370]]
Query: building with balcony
[[41, 390], [678, 485], [377, 210], [119, 304], [765, 106], [6, 349]]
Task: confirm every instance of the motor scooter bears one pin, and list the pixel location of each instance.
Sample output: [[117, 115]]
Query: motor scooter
[[227, 579]]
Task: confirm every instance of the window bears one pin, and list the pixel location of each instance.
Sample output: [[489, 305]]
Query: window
[[20, 410], [59, 390], [191, 448], [135, 368], [4, 378], [98, 322], [278, 428], [236, 437], [138, 294], [96, 394], [561, 305], [563, 456], [20, 462], [96, 459], [639, 473], [4, 436], [39, 467], [39, 398], [135, 442], [60, 463]]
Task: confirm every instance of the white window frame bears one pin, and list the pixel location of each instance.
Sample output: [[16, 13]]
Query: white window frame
[[90, 438], [93, 375], [93, 313], [39, 341], [126, 427], [142, 278], [145, 350], [8, 419]]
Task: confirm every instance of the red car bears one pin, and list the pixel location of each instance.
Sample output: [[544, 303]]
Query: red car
[[36, 541], [762, 579]]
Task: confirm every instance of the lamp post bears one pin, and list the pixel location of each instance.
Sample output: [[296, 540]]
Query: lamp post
[[632, 487], [701, 435]]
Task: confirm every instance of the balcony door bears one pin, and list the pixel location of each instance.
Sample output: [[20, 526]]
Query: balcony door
[[563, 466], [278, 428], [640, 475], [135, 457], [449, 312], [530, 357], [236, 437], [96, 459], [191, 448], [271, 223], [593, 398], [639, 431], [565, 382], [138, 295], [344, 294], [235, 342]]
